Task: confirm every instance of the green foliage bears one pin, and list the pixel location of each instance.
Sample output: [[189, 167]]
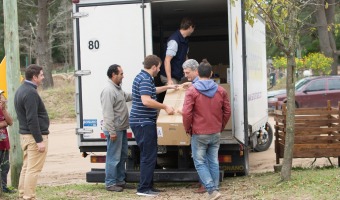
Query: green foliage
[[280, 62], [313, 183], [319, 63], [299, 63], [62, 107]]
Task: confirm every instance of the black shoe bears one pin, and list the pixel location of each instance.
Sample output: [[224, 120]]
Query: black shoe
[[127, 186], [157, 190], [7, 190], [114, 188]]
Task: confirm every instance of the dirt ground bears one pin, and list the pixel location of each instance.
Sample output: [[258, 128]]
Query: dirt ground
[[65, 165]]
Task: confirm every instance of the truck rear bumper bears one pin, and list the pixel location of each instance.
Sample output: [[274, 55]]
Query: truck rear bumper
[[98, 176]]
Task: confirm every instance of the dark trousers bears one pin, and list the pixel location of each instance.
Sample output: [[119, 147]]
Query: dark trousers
[[4, 166], [146, 138]]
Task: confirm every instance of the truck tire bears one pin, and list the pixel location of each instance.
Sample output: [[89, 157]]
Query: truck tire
[[265, 139]]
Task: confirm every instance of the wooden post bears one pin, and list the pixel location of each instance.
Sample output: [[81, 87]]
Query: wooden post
[[11, 41]]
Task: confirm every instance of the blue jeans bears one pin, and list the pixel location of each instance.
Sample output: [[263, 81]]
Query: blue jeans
[[205, 155], [116, 156], [146, 138], [4, 166]]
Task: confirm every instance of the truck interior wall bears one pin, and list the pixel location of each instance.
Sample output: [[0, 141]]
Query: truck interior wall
[[210, 38]]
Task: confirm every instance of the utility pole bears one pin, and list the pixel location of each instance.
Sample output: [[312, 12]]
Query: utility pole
[[11, 41]]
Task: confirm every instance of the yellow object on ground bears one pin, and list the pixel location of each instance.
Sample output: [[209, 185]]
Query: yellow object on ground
[[3, 80], [3, 85]]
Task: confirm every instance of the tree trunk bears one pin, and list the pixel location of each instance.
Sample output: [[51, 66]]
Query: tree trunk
[[326, 29], [11, 42], [290, 116], [290, 120], [42, 45]]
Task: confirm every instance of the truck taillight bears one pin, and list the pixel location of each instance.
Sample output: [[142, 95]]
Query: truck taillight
[[129, 135], [98, 159], [224, 158], [75, 1]]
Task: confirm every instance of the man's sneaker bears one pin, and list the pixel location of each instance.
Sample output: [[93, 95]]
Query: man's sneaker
[[213, 196], [114, 188], [157, 190], [127, 186], [148, 193]]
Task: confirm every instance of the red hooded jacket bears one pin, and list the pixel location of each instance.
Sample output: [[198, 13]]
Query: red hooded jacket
[[205, 115]]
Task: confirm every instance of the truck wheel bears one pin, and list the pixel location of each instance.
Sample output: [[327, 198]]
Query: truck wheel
[[264, 139]]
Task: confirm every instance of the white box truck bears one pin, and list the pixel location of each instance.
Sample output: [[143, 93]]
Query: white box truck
[[125, 31]]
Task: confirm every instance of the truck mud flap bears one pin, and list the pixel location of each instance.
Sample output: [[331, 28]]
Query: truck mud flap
[[233, 160], [98, 176]]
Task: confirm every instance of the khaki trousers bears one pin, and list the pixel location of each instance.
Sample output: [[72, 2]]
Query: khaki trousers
[[33, 163]]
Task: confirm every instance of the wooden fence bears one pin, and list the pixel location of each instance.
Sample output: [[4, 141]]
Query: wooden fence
[[317, 132]]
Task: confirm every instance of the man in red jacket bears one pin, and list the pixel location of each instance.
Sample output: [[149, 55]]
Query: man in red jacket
[[206, 111]]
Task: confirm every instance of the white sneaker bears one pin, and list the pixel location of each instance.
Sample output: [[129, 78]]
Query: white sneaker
[[213, 196], [148, 193]]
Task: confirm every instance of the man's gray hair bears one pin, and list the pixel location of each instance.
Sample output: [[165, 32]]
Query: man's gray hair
[[191, 64]]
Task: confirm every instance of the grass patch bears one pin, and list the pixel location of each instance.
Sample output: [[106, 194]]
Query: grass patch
[[60, 101], [316, 183]]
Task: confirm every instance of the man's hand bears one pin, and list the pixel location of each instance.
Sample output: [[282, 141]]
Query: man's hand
[[2, 104], [170, 110], [113, 137], [186, 85], [170, 82], [3, 124], [41, 146], [176, 87]]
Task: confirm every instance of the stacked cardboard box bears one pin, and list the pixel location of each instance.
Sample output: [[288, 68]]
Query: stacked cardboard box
[[170, 128]]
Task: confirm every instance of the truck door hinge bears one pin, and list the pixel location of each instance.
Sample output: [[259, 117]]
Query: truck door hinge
[[77, 15], [82, 73], [80, 131]]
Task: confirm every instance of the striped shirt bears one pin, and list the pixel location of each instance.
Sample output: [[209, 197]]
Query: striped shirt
[[143, 84]]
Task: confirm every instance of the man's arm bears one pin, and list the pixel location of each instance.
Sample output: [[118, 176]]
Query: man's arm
[[171, 51], [31, 107], [187, 112], [8, 118], [107, 99], [167, 66], [128, 96], [226, 110], [151, 103], [164, 88]]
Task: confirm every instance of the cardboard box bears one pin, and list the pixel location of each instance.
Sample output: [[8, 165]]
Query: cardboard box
[[226, 86], [170, 129], [220, 71]]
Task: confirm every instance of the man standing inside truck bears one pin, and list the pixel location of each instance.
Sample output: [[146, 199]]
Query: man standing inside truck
[[116, 121], [143, 117], [206, 111], [176, 53]]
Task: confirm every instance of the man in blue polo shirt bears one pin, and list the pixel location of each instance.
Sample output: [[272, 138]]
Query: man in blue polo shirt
[[143, 117], [176, 53]]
